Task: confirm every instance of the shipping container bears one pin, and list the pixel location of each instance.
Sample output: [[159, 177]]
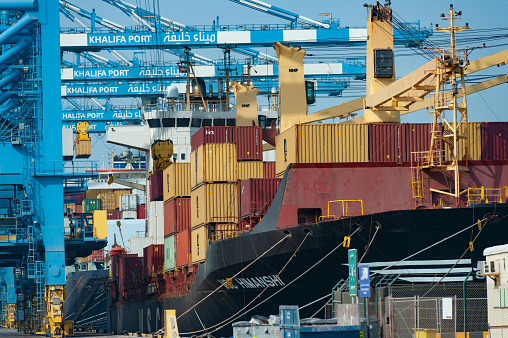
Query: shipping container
[[387, 143], [141, 211], [494, 140], [76, 198], [128, 202], [211, 135], [90, 205], [269, 170], [108, 200], [176, 215], [100, 224], [98, 255], [140, 196], [183, 248], [321, 143], [199, 243], [223, 231], [417, 138], [256, 196], [79, 208], [120, 192], [156, 186], [129, 214], [115, 214], [169, 253], [153, 259], [249, 143], [130, 270], [213, 162], [177, 181], [93, 193], [475, 143], [82, 149], [250, 169], [214, 203]]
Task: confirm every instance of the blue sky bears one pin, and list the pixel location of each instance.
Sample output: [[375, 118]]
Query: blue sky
[[483, 18]]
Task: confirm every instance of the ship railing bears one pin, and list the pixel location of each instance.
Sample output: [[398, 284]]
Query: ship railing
[[345, 209], [486, 195], [428, 158], [224, 230]]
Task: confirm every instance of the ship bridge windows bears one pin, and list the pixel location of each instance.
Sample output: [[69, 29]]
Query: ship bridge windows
[[154, 123], [219, 122], [207, 123], [182, 122], [309, 215], [196, 123], [168, 122]]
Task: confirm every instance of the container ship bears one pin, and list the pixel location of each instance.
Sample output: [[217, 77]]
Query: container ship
[[235, 235]]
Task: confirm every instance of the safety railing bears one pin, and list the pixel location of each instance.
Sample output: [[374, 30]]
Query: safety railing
[[345, 209], [486, 195], [428, 158], [59, 168]]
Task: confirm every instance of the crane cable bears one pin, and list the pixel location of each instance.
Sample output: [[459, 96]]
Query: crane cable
[[239, 272]]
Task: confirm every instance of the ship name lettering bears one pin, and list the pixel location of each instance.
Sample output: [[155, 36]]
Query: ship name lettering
[[258, 282]]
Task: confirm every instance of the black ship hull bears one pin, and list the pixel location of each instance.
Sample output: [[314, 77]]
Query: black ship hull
[[320, 262]]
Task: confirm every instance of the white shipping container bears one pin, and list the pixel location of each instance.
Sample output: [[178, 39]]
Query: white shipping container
[[140, 196], [67, 144], [128, 202], [129, 214]]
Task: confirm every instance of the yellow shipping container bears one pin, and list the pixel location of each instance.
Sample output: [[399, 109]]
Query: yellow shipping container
[[176, 181], [100, 224], [322, 143], [249, 169], [93, 194], [199, 242], [225, 231], [213, 162], [215, 202], [108, 200], [475, 143]]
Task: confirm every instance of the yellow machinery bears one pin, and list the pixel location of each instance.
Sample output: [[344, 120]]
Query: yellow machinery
[[11, 316], [162, 152], [83, 145], [55, 296]]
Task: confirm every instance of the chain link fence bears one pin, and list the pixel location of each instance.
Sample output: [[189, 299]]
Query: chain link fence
[[498, 310]]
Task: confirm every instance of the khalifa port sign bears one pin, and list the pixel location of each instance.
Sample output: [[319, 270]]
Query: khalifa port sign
[[117, 89]]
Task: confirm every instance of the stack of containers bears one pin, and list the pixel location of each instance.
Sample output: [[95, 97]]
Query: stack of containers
[[249, 152], [153, 259], [128, 206], [214, 196], [176, 194], [256, 196]]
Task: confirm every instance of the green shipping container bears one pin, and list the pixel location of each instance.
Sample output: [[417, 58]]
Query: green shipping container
[[90, 205], [169, 253]]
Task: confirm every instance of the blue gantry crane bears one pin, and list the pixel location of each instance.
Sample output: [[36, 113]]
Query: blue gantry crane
[[33, 245]]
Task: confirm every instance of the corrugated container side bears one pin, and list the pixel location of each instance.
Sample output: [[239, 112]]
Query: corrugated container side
[[141, 211], [211, 135], [115, 214], [169, 217], [250, 169], [169, 253], [494, 140], [269, 170], [108, 201], [224, 231], [128, 202], [129, 214], [350, 143], [199, 242], [249, 143], [256, 196], [183, 214], [79, 208], [130, 271], [120, 192], [214, 162], [285, 149], [156, 185], [153, 259], [91, 204], [475, 143], [387, 143], [418, 138], [183, 248], [177, 181], [214, 202], [315, 143]]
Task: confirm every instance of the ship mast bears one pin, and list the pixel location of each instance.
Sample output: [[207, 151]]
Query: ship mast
[[453, 132]]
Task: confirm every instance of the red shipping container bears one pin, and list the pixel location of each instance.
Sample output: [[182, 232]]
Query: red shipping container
[[249, 143], [183, 248], [130, 270], [156, 186], [115, 214], [79, 209], [141, 211], [176, 215], [494, 140], [387, 143], [269, 170], [211, 135], [153, 258], [256, 195], [418, 138]]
